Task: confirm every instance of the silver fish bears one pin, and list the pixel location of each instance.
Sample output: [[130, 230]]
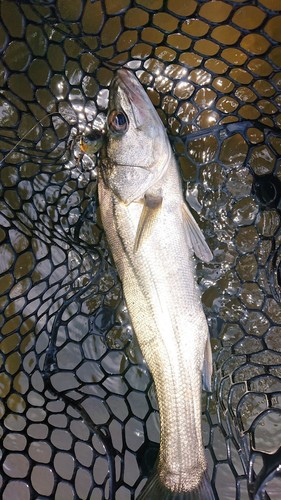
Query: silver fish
[[152, 236]]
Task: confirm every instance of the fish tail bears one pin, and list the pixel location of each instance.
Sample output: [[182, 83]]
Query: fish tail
[[156, 490]]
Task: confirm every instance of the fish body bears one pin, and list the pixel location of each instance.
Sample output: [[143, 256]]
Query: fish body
[[152, 236]]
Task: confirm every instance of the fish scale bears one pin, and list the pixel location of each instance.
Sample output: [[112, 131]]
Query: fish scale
[[158, 279]]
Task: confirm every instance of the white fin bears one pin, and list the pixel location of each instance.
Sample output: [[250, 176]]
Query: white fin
[[152, 205], [195, 237], [207, 367]]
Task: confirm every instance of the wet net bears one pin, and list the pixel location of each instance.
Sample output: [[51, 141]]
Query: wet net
[[79, 416]]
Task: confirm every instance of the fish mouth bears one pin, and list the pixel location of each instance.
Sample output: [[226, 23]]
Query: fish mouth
[[127, 81], [125, 86]]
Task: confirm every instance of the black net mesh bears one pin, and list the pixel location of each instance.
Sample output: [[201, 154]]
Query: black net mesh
[[78, 406]]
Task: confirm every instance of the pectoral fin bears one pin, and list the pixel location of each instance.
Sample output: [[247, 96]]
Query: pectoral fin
[[195, 237], [207, 367], [151, 207]]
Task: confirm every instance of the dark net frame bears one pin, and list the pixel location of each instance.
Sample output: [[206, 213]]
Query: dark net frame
[[78, 409]]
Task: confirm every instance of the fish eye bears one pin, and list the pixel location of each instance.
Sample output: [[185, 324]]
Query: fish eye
[[118, 122]]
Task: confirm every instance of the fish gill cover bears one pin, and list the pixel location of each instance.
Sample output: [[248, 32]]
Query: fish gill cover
[[78, 408]]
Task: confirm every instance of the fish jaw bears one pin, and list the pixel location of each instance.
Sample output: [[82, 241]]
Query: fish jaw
[[125, 91]]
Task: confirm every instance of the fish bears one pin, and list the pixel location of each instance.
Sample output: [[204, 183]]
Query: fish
[[153, 237]]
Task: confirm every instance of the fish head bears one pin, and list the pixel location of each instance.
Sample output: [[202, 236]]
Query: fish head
[[136, 149]]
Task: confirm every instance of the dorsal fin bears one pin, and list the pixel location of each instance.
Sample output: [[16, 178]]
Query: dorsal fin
[[195, 237], [151, 207]]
